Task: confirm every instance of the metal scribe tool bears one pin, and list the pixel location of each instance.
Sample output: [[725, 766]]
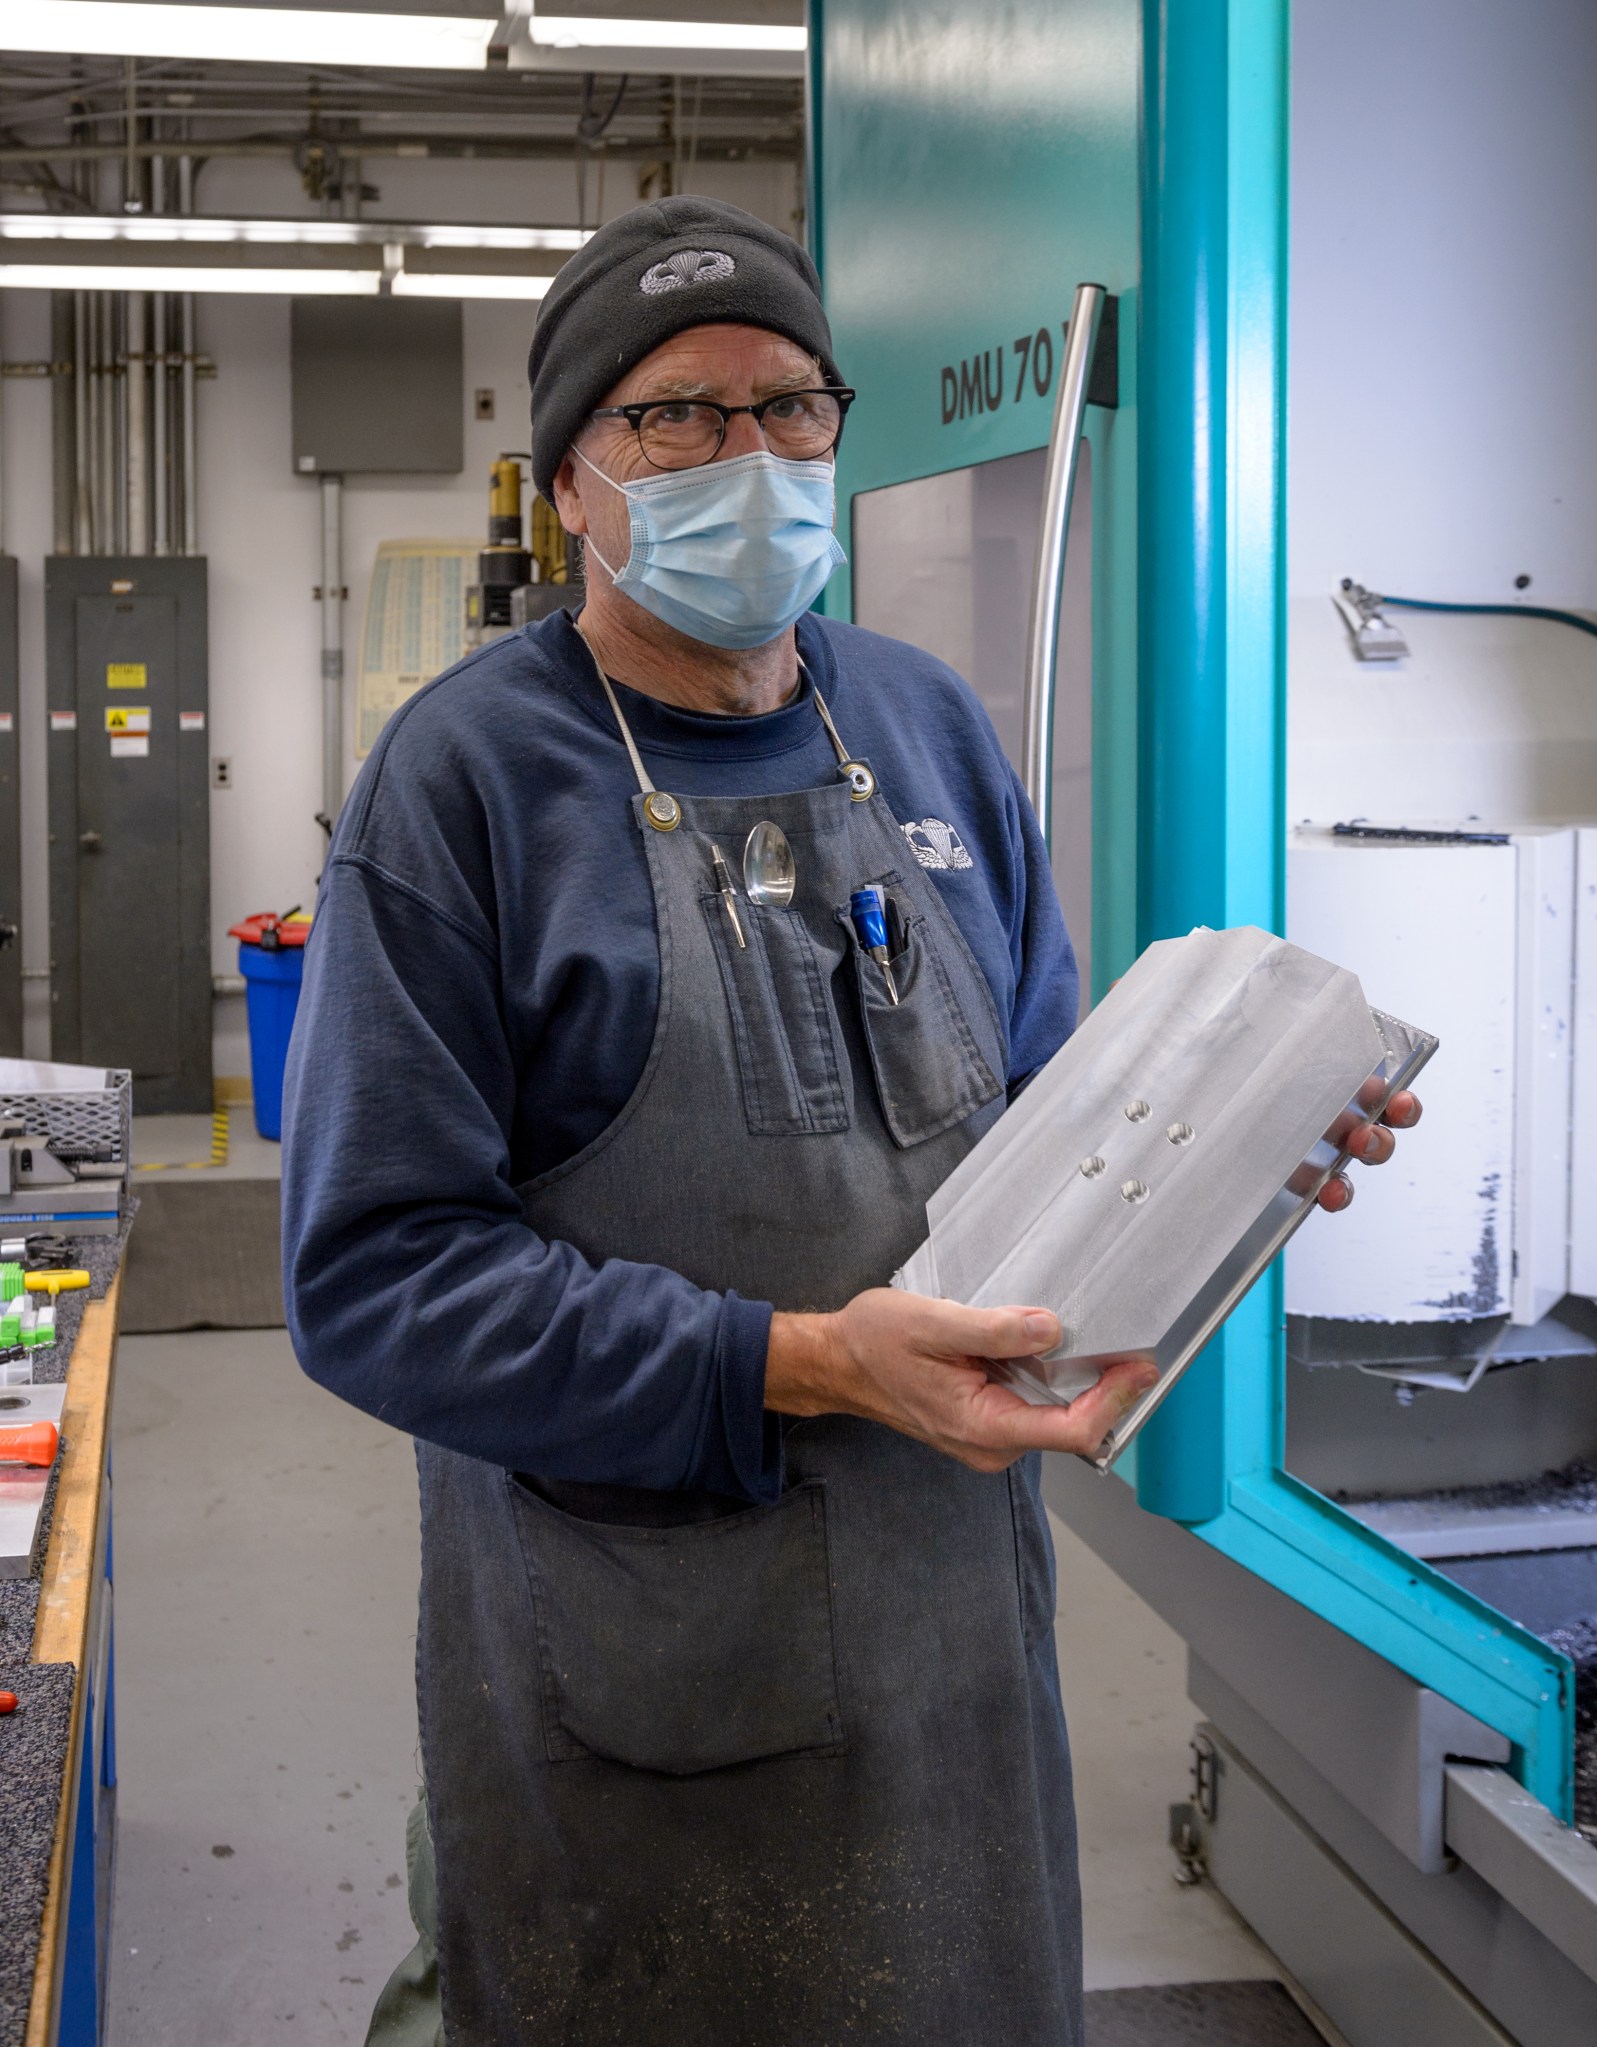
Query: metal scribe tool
[[723, 881]]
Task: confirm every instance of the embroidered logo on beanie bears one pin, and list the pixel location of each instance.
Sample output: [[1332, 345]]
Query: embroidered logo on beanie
[[687, 266]]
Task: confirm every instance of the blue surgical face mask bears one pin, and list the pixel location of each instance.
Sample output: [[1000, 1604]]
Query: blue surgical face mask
[[731, 553]]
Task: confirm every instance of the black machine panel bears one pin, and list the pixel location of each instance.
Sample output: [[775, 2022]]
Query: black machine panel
[[129, 822]]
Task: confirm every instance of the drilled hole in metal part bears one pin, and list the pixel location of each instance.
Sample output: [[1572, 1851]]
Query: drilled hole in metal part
[[1134, 1190], [1138, 1112], [13, 1400], [1092, 1167], [1180, 1133]]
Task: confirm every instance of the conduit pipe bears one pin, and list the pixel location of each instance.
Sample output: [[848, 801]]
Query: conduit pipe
[[160, 423], [160, 431], [332, 649], [63, 435], [82, 524], [191, 543], [136, 319]]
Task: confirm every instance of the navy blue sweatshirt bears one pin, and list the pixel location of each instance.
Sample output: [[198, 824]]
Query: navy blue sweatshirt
[[479, 998]]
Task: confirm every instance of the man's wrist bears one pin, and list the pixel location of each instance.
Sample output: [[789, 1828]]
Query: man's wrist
[[806, 1367]]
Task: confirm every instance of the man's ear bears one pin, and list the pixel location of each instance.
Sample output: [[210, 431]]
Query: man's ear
[[568, 498]]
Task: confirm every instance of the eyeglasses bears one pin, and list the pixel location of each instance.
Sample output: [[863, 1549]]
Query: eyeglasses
[[682, 433]]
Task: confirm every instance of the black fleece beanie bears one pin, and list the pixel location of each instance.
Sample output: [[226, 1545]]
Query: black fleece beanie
[[644, 277]]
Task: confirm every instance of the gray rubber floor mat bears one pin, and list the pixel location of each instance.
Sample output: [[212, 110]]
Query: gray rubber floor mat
[[33, 1756], [203, 1254], [1198, 2015]]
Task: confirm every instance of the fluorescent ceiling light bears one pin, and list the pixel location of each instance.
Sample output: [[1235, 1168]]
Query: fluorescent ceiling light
[[171, 228], [175, 277], [256, 35], [438, 284], [595, 32]]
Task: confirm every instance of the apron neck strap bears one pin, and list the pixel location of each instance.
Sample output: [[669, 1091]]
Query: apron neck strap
[[844, 758], [625, 729], [859, 778]]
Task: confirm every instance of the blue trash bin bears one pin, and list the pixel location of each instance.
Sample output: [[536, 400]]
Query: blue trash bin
[[272, 994]]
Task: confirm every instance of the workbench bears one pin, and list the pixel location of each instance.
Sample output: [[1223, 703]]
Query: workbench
[[59, 1748]]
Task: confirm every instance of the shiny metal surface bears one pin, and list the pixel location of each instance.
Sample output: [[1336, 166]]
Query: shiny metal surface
[[1042, 639], [1160, 1160], [769, 874]]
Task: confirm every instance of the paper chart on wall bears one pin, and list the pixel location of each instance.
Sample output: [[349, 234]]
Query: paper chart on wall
[[415, 626]]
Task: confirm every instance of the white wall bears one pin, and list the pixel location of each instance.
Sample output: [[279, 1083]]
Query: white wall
[[259, 525], [1443, 410]]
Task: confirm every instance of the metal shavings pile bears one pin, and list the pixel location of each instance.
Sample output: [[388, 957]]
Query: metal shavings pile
[[1578, 1640], [1568, 1488]]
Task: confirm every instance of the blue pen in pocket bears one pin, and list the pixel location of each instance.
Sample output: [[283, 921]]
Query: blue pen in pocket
[[867, 909]]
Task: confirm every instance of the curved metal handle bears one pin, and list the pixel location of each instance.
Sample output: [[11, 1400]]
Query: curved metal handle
[[91, 842], [1042, 638]]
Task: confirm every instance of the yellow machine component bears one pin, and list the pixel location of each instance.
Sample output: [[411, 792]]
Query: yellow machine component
[[504, 502], [549, 544]]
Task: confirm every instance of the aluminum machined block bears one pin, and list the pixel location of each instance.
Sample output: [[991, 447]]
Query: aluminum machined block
[[1158, 1163]]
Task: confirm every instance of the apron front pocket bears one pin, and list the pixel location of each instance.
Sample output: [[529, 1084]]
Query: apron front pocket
[[687, 1648], [929, 1069], [778, 991]]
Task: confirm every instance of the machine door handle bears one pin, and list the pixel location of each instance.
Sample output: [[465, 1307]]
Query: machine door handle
[[91, 842], [1042, 638], [8, 934]]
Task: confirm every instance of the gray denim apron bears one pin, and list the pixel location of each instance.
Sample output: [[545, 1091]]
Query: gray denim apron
[[775, 1776]]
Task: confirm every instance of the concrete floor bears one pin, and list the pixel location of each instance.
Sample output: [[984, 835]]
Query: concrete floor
[[266, 1564], [183, 1143]]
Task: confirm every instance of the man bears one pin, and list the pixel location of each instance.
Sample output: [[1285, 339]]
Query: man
[[739, 1706]]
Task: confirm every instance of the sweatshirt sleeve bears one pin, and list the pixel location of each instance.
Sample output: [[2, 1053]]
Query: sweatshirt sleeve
[[415, 1289]]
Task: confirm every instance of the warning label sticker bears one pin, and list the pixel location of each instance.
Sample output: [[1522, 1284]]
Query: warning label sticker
[[127, 718], [126, 675], [6, 721], [63, 721], [191, 721], [130, 749]]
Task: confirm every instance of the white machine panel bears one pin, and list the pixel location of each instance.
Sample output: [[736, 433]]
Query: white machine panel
[[1543, 1072], [1431, 932], [1583, 1119]]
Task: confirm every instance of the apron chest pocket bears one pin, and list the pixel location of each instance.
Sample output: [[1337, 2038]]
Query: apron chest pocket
[[778, 992], [688, 1648], [929, 1070]]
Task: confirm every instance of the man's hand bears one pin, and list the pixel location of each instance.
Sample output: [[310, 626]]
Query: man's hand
[[920, 1366], [1371, 1142]]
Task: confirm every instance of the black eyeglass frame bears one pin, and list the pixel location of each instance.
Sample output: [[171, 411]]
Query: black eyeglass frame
[[634, 414]]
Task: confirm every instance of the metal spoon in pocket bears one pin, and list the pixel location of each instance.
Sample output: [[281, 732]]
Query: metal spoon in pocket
[[769, 875]]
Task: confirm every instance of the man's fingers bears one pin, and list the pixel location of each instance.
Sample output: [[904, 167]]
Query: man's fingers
[[957, 1331], [1008, 1423], [1336, 1194], [1373, 1145], [1403, 1111]]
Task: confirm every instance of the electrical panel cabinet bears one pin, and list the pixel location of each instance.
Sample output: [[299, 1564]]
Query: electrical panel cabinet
[[10, 821], [379, 386], [125, 662]]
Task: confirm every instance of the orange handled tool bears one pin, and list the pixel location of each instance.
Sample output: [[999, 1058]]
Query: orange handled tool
[[33, 1443]]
